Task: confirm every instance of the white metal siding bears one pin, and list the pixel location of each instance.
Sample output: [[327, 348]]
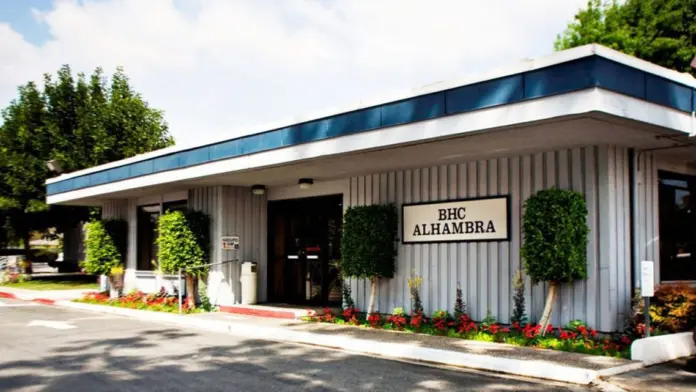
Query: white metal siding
[[233, 211], [646, 226], [485, 270]]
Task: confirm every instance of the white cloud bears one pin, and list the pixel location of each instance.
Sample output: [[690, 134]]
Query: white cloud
[[218, 65]]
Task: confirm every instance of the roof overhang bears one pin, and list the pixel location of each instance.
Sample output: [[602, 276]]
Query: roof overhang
[[577, 82]]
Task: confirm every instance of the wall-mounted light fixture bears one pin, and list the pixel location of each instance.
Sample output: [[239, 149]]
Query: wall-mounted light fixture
[[305, 183], [258, 189], [54, 166]]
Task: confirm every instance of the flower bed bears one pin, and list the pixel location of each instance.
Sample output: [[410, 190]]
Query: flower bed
[[160, 302], [574, 337]]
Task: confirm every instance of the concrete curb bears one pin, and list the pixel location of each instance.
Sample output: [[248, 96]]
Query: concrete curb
[[663, 348], [21, 297], [396, 351]]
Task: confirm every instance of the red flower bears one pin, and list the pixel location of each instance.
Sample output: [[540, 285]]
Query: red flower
[[593, 332], [564, 335], [374, 319], [625, 339], [549, 328]]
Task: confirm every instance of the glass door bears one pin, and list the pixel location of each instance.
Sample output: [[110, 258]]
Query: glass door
[[677, 227]]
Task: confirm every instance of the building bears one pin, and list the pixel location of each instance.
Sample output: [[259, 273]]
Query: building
[[613, 127]]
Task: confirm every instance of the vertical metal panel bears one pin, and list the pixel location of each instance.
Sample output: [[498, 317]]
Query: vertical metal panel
[[646, 228], [539, 290], [452, 271], [233, 211], [462, 250], [578, 185], [485, 270]]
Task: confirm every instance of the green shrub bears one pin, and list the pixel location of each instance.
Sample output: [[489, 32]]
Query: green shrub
[[672, 310], [555, 240], [184, 242], [519, 315], [368, 244], [105, 246]]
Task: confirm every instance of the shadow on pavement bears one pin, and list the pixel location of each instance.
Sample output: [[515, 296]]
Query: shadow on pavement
[[179, 360]]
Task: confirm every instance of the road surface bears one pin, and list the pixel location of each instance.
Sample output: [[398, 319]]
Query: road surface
[[44, 348]]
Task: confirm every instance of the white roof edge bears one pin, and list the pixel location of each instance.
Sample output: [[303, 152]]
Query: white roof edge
[[518, 67]]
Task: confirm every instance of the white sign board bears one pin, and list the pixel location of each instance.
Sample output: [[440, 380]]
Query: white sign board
[[230, 243], [647, 279], [481, 219]]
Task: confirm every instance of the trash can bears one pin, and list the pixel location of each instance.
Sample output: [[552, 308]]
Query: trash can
[[248, 281]]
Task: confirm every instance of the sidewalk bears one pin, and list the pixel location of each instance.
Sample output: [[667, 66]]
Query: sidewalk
[[668, 377], [43, 296], [401, 346], [546, 364]]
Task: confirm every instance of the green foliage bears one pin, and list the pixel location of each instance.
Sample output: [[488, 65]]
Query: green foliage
[[347, 295], [555, 236], [105, 246], [368, 243], [519, 313], [660, 31], [206, 306], [183, 241], [459, 304], [80, 122]]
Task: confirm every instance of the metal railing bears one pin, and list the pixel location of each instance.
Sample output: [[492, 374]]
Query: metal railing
[[182, 270]]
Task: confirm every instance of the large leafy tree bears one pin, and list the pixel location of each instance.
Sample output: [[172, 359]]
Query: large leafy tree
[[80, 122], [660, 31]]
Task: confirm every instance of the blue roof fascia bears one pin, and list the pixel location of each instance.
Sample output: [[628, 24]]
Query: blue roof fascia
[[587, 72]]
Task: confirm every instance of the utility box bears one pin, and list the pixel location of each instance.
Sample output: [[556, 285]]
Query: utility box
[[248, 279]]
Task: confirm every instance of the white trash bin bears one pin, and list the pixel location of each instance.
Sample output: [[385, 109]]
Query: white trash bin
[[248, 281]]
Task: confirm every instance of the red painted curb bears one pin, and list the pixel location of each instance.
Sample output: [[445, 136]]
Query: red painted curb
[[280, 314], [44, 301], [7, 295]]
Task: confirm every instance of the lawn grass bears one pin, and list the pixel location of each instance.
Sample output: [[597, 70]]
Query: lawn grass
[[74, 282]]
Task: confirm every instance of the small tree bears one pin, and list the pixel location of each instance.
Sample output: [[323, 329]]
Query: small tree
[[184, 242], [368, 244], [105, 248], [555, 241], [519, 313], [459, 305]]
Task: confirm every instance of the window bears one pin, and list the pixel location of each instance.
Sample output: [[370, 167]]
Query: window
[[677, 227], [148, 219], [148, 216]]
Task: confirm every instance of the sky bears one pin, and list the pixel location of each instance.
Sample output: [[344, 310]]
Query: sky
[[217, 68]]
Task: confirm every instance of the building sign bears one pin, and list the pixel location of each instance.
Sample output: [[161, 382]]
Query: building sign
[[647, 279], [481, 219], [230, 243]]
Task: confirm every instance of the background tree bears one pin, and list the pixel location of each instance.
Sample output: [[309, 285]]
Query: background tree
[[81, 123], [555, 241], [368, 244], [184, 242], [660, 31]]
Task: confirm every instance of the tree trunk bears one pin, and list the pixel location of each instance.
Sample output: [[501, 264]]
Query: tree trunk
[[26, 238], [546, 316], [373, 296], [190, 291]]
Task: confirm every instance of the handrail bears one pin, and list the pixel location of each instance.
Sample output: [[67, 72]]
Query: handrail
[[182, 270]]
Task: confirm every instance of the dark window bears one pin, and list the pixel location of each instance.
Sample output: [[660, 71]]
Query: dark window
[[178, 205], [677, 227], [148, 216]]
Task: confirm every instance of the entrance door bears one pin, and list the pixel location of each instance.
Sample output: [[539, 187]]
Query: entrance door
[[304, 243], [677, 227]]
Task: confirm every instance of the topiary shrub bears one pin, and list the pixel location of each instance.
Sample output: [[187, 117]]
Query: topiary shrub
[[105, 248], [368, 244], [555, 241], [184, 242]]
